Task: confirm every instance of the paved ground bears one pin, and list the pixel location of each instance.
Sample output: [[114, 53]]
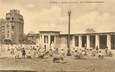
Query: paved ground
[[70, 65]]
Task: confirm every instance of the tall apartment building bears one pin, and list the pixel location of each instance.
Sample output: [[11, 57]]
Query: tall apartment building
[[2, 29], [12, 27]]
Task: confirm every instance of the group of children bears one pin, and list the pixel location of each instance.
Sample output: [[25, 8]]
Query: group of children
[[57, 54], [31, 51], [91, 52]]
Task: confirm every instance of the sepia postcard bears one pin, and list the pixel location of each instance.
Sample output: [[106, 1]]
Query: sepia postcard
[[57, 36]]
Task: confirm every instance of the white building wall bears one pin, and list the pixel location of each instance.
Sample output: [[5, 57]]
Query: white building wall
[[63, 42]]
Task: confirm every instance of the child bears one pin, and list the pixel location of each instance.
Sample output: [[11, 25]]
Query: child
[[100, 55]]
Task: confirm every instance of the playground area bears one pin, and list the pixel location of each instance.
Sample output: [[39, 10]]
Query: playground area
[[38, 59], [69, 65]]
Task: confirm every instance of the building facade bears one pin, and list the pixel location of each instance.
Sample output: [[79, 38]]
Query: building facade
[[3, 23], [83, 40], [13, 27]]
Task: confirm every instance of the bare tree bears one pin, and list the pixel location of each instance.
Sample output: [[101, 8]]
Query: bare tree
[[90, 30]]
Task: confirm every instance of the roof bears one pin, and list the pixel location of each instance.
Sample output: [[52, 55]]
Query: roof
[[31, 35], [49, 31], [100, 33]]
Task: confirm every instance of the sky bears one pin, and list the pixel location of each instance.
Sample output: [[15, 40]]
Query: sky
[[53, 14]]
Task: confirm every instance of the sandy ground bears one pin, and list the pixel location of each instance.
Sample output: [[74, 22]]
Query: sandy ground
[[69, 65]]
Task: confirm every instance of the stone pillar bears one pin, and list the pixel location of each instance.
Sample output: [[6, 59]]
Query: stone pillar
[[54, 40], [43, 40], [109, 41], [88, 41], [40, 39], [49, 41], [97, 41], [80, 41], [73, 41]]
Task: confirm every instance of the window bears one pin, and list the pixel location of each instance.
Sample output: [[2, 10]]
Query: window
[[12, 27], [92, 41], [76, 40], [51, 39], [8, 18], [84, 41], [12, 18], [45, 39], [8, 31], [113, 42], [102, 41]]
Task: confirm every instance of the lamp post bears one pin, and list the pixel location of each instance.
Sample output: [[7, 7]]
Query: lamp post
[[0, 46], [68, 37]]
